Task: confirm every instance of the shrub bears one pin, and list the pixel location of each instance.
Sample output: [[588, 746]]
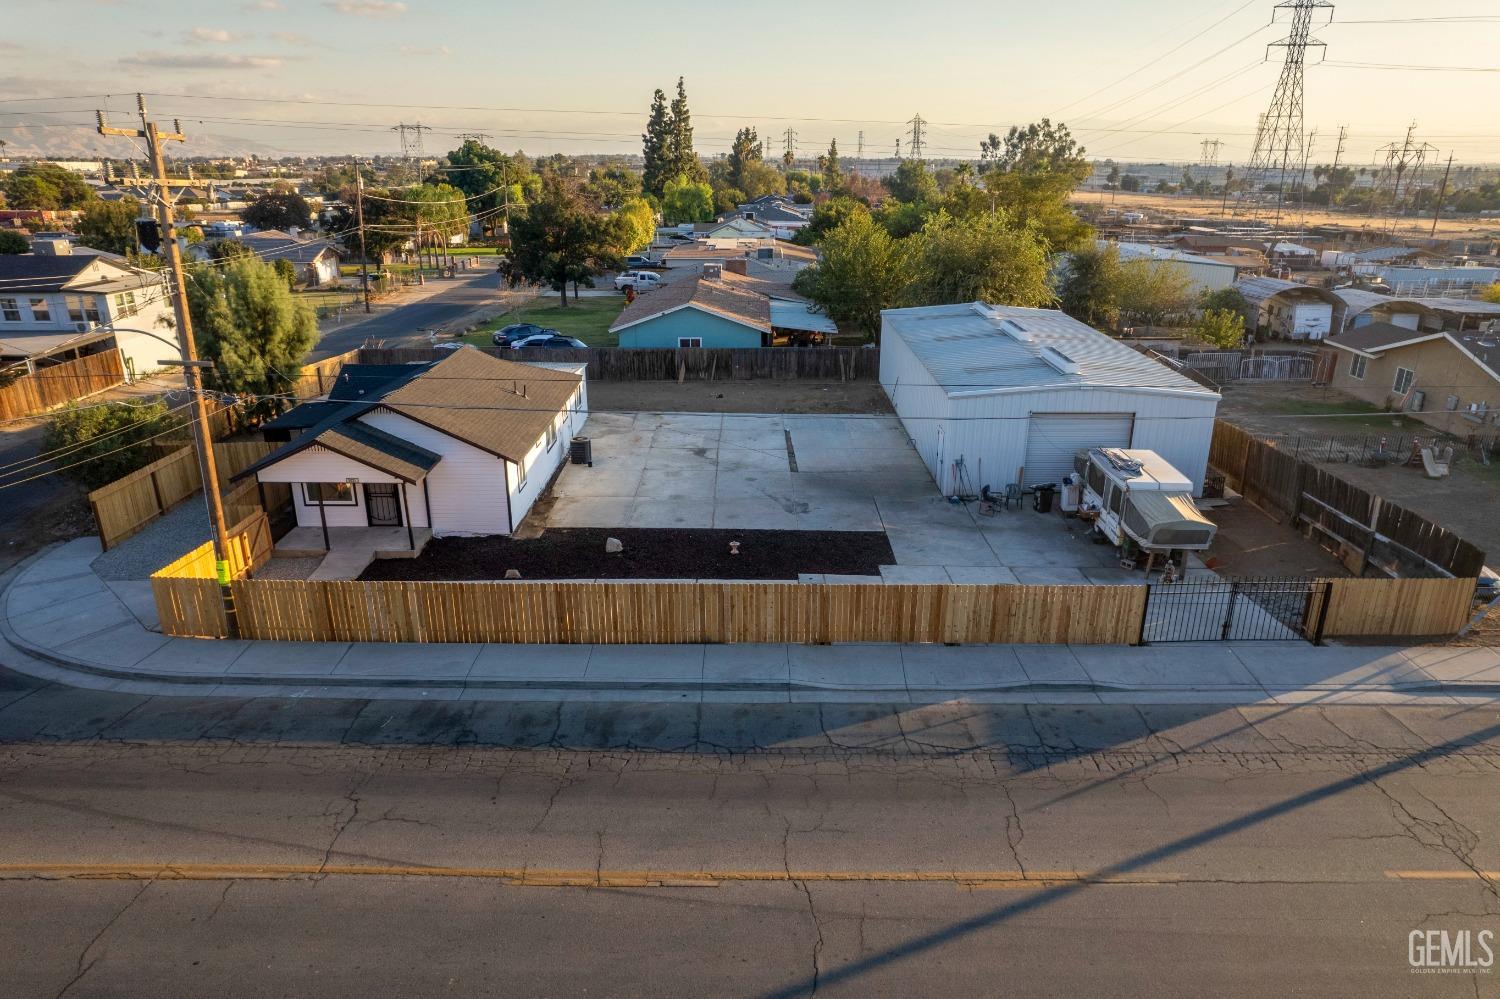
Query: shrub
[[105, 442]]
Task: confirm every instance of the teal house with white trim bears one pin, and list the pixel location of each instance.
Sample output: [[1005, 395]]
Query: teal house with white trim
[[712, 309]]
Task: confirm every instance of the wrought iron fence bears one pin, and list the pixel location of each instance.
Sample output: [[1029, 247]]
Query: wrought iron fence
[[1244, 610]]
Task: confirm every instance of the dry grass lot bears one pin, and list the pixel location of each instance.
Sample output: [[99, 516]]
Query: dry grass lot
[[751, 396], [1195, 207], [1465, 502]]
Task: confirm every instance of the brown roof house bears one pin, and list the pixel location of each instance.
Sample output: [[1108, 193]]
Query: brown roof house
[[1448, 380], [459, 446]]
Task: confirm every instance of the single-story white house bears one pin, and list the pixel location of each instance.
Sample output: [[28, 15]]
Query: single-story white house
[[995, 395], [734, 233], [459, 446]]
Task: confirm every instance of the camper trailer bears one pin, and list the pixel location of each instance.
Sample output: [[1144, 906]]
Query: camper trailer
[[1138, 498]]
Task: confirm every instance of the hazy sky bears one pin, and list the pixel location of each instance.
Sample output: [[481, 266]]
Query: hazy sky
[[573, 76]]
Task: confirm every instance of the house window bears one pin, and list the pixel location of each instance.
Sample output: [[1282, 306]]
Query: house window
[[1357, 365], [125, 303], [41, 312], [10, 310], [551, 434], [520, 475], [82, 308], [329, 494], [1404, 378], [690, 341]]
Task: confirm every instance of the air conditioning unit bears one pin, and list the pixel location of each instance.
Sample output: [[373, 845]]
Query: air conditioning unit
[[84, 327]]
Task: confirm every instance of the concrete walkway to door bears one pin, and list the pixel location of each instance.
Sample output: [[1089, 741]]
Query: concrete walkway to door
[[350, 549]]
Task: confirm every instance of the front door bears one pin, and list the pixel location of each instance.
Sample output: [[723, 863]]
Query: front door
[[383, 504]]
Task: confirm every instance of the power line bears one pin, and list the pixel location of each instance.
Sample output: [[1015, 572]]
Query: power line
[[1282, 143]]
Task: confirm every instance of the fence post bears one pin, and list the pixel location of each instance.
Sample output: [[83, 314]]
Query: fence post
[[1317, 637], [1140, 633]]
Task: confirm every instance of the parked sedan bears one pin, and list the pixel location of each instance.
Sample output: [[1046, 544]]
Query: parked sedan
[[520, 331], [554, 340]]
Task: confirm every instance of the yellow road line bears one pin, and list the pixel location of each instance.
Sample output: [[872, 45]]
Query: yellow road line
[[1464, 875], [547, 877]]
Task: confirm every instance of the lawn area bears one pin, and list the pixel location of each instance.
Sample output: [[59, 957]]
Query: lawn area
[[586, 318]]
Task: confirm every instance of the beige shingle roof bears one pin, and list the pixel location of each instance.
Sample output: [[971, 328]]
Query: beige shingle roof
[[503, 407], [730, 296]]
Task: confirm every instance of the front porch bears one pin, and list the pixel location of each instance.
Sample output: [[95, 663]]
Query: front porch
[[350, 549]]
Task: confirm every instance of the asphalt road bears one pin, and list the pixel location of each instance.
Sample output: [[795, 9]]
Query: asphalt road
[[175, 846], [408, 325]]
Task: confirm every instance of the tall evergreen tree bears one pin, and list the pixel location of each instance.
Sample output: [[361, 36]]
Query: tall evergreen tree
[[747, 149], [656, 148], [833, 173], [680, 144]]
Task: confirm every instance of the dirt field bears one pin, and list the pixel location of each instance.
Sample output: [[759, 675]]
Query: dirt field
[[1195, 207], [753, 396], [1465, 502], [1250, 543]]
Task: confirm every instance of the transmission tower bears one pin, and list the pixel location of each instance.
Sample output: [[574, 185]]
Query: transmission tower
[[1208, 155], [859, 149], [915, 146], [789, 145], [411, 140], [1280, 142], [472, 136], [1403, 160]]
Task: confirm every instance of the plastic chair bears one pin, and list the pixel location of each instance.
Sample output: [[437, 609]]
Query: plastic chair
[[1013, 495]]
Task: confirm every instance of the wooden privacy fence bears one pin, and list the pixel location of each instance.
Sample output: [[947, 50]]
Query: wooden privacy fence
[[628, 364], [58, 384], [667, 613], [1372, 533], [1406, 607], [126, 505], [187, 590]]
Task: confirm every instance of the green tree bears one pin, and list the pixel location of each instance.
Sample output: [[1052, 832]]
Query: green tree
[[656, 147], [905, 218], [1031, 173], [687, 200], [287, 271], [861, 271], [227, 249], [46, 187], [682, 159], [109, 225], [828, 216], [745, 150], [639, 219], [1491, 294], [1231, 299], [833, 173], [491, 180], [106, 442], [761, 178], [981, 258], [12, 242], [559, 241], [612, 187], [1151, 291], [1090, 287], [1222, 328], [284, 210], [1130, 182], [256, 332], [912, 183]]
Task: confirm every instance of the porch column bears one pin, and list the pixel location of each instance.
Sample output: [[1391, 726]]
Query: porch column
[[411, 538], [322, 516]]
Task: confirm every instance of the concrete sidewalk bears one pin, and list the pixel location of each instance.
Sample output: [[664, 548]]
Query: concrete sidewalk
[[60, 621]]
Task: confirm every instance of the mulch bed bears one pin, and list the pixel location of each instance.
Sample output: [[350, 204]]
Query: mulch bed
[[667, 553]]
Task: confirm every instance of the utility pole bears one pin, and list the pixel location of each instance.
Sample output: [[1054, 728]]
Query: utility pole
[[1437, 206], [191, 365], [359, 220], [1338, 152], [859, 150]]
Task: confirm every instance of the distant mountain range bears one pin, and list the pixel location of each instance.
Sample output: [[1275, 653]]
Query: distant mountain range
[[70, 142]]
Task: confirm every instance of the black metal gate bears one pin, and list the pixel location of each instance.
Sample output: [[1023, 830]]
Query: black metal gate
[[1242, 610], [383, 503]]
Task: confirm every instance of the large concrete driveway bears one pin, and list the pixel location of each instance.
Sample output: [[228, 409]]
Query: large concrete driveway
[[813, 473]]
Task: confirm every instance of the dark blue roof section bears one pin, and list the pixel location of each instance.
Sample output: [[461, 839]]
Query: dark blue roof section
[[367, 382], [309, 414]]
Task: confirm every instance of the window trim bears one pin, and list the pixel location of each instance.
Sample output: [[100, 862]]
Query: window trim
[[551, 435], [1411, 379], [9, 310], [1358, 366], [520, 475], [44, 315], [308, 500], [690, 342]]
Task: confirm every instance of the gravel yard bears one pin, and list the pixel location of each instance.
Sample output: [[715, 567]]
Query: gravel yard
[[167, 538]]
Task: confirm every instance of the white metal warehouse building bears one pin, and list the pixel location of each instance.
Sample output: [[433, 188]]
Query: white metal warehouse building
[[992, 395]]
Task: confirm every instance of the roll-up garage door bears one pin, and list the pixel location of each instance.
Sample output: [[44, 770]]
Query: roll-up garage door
[[1053, 438]]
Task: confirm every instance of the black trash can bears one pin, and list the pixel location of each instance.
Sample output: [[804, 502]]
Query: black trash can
[[1041, 497]]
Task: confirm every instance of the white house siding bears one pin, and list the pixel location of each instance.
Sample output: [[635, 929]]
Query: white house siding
[[543, 462], [921, 403], [316, 464], [467, 487], [989, 432]]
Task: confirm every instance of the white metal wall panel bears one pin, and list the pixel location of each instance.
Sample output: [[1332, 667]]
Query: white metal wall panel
[[1053, 438]]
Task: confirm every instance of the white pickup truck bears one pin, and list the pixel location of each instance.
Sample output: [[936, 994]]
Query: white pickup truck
[[641, 281]]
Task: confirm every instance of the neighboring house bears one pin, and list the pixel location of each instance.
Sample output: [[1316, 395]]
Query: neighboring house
[[1447, 380], [463, 445], [1204, 274], [64, 302], [1362, 308], [722, 306], [1290, 310], [1211, 243], [779, 215], [1419, 280], [1334, 259], [734, 233], [316, 260], [993, 395]]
